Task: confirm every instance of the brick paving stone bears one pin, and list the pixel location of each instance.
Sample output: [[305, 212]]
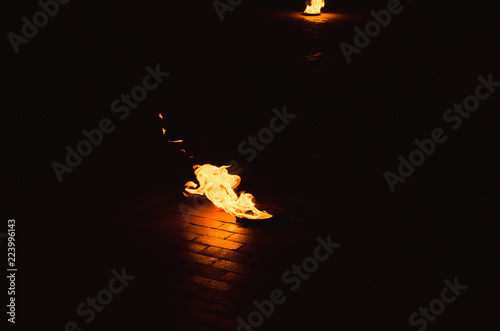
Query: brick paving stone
[[244, 239], [237, 278], [212, 283], [198, 220], [173, 233], [221, 285], [234, 267], [202, 230], [168, 245], [253, 250], [175, 225], [212, 241], [226, 254], [160, 242], [218, 214], [186, 211], [202, 270], [238, 229], [219, 264], [200, 280], [261, 235], [186, 245], [195, 257]]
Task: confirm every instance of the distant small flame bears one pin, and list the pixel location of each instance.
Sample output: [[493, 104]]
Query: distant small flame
[[160, 115], [176, 141], [183, 150], [163, 129], [314, 6], [218, 186]]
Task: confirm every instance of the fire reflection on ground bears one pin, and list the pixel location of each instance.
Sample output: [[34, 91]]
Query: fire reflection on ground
[[318, 61], [323, 18]]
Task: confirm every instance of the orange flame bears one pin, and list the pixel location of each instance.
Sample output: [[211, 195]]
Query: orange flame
[[162, 129], [218, 186], [314, 6], [176, 141], [160, 115]]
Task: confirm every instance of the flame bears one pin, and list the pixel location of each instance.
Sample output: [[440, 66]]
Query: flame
[[160, 115], [314, 6], [176, 141], [163, 129], [217, 185]]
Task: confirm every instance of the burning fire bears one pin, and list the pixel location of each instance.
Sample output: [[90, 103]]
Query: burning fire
[[162, 129], [218, 186], [313, 7]]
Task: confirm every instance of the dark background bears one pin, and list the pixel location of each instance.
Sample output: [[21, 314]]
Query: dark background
[[225, 77]]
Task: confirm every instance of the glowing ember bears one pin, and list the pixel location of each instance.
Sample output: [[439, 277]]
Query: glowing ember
[[162, 129], [313, 7], [176, 141], [218, 186], [160, 115]]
